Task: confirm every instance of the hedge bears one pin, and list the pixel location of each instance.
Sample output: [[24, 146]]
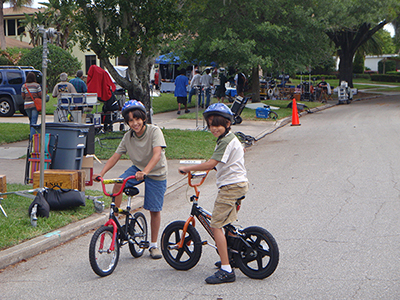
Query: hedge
[[385, 77]]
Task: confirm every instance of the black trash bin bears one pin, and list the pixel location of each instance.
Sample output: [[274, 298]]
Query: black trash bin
[[70, 146]]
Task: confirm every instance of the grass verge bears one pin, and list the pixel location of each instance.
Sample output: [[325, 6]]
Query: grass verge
[[17, 228]]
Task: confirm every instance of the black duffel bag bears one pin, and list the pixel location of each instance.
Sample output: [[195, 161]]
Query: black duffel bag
[[60, 199]]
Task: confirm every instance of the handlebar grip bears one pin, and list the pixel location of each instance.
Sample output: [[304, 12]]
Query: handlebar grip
[[98, 178]]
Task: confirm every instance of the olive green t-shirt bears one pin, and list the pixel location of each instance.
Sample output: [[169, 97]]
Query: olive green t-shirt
[[140, 150]]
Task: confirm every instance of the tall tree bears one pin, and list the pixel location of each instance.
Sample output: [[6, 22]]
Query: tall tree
[[351, 23], [279, 35], [14, 4], [130, 29]]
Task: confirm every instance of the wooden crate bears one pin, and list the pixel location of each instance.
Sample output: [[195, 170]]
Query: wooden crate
[[3, 185], [81, 180], [66, 179]]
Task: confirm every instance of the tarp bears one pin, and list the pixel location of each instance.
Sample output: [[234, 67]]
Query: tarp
[[170, 58], [167, 59]]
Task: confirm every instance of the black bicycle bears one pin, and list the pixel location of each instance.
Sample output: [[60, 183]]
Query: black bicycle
[[253, 250], [108, 239]]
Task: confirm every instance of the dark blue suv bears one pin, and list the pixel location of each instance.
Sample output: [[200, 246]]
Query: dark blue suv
[[11, 80]]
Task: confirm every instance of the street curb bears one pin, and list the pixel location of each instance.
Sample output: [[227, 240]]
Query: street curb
[[50, 240]]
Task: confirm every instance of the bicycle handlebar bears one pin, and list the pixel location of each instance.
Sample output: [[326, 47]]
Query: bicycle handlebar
[[110, 181], [194, 175]]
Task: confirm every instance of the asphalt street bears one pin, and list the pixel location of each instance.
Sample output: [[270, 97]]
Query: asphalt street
[[327, 190]]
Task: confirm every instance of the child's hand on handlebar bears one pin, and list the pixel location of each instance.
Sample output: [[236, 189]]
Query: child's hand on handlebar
[[183, 170], [140, 175], [96, 177]]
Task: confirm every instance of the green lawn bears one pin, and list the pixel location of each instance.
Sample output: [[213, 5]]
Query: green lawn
[[17, 228]]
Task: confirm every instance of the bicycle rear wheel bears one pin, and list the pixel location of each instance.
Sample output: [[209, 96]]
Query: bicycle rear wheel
[[273, 115], [102, 259], [138, 232], [186, 257], [261, 260]]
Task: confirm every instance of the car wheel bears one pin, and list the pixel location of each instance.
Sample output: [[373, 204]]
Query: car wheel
[[6, 107]]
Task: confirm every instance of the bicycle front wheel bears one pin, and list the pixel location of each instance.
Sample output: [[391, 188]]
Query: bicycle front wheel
[[138, 233], [261, 260], [186, 257], [102, 259]]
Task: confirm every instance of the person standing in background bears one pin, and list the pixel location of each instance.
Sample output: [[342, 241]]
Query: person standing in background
[[195, 85], [221, 89], [63, 87], [206, 83], [36, 91], [181, 83], [78, 83]]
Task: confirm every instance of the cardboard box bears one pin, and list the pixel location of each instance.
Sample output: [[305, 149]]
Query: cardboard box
[[3, 185], [66, 179], [87, 161]]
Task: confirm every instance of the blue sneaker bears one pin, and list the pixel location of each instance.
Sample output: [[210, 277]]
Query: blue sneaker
[[221, 276]]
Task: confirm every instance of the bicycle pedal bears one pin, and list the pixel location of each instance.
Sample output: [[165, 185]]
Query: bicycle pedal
[[144, 244]]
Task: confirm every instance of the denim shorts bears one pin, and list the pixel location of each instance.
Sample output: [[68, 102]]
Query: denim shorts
[[153, 192]]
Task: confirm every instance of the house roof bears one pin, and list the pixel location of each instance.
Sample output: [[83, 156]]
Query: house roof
[[10, 42], [19, 11]]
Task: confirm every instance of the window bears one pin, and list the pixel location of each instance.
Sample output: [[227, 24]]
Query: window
[[14, 78], [21, 28], [1, 78], [11, 27], [89, 60]]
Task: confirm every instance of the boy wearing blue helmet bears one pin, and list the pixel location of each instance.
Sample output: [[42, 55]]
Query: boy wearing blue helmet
[[145, 146], [232, 183]]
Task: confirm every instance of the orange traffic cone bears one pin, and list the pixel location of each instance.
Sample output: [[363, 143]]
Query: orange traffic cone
[[295, 115]]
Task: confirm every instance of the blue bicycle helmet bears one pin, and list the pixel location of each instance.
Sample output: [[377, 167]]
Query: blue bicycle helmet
[[132, 105], [219, 109]]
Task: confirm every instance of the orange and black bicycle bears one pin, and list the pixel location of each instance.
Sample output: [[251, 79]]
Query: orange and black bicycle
[[253, 250], [108, 239]]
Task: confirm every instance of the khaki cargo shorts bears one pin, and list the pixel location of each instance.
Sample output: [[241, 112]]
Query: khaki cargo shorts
[[225, 205]]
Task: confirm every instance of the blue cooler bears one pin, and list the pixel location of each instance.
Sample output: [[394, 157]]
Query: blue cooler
[[262, 112]]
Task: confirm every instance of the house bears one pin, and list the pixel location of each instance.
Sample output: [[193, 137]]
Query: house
[[371, 61], [13, 30]]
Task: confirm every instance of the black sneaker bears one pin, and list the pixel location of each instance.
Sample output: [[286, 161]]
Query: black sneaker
[[179, 112], [221, 276], [187, 111]]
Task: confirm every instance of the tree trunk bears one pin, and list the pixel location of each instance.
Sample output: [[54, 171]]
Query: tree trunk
[[255, 85], [2, 36], [346, 68]]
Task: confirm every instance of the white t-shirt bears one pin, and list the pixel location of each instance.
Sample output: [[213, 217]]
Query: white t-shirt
[[230, 156]]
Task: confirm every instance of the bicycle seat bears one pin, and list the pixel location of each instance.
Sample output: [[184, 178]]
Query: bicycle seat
[[131, 191]]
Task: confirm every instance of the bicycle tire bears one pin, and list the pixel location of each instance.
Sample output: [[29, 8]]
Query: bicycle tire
[[186, 257], [273, 115], [266, 258], [138, 232], [103, 262]]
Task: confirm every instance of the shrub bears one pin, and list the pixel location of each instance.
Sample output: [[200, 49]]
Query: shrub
[[60, 61], [390, 65], [385, 77]]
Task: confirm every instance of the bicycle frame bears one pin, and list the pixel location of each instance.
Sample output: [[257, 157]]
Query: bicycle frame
[[199, 213], [113, 221]]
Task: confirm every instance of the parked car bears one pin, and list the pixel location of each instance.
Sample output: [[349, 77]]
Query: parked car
[[11, 80]]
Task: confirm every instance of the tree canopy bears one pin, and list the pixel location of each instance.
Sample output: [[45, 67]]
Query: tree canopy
[[130, 30], [351, 23]]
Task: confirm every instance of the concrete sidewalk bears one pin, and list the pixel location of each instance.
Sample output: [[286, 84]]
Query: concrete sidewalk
[[14, 169]]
